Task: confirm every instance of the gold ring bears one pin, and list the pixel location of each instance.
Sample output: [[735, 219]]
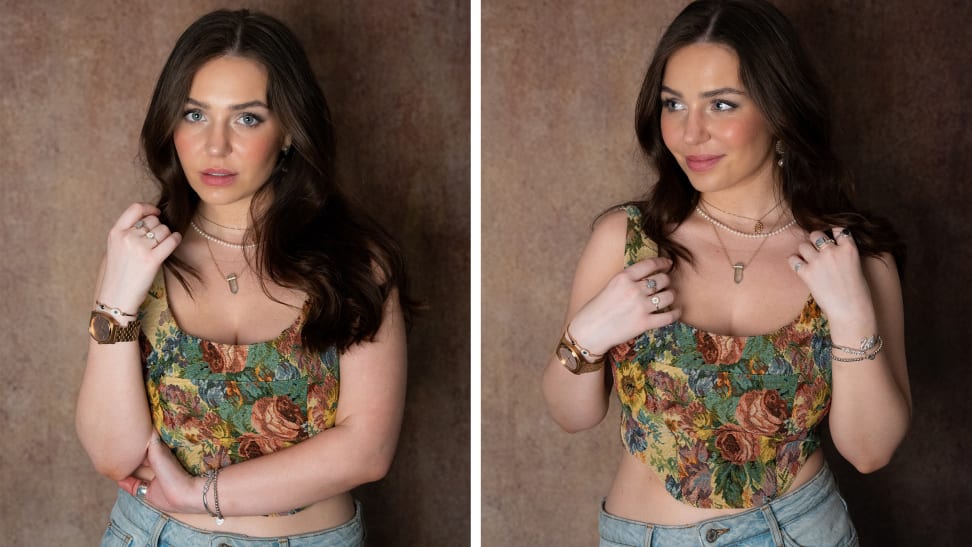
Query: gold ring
[[822, 242]]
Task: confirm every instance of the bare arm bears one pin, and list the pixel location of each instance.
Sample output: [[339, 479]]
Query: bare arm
[[112, 418], [358, 449], [871, 406], [608, 305], [871, 402]]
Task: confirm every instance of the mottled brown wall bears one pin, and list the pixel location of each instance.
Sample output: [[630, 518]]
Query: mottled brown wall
[[560, 80], [76, 78]]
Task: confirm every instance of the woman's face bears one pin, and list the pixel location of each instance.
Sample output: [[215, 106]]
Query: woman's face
[[711, 124], [228, 140]]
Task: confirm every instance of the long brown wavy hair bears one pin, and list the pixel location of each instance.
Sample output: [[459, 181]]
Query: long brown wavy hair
[[779, 76], [310, 236]]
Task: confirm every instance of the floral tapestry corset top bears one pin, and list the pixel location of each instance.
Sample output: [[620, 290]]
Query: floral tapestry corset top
[[215, 404], [725, 421]]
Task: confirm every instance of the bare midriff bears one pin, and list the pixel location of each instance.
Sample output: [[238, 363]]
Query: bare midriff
[[319, 516], [638, 494]]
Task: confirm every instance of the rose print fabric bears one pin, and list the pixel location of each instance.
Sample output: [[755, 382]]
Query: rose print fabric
[[216, 404], [726, 421]]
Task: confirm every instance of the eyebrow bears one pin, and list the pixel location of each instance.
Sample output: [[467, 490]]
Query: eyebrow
[[241, 106], [707, 94]]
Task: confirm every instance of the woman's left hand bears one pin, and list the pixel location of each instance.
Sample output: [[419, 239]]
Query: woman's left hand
[[169, 488], [831, 268]]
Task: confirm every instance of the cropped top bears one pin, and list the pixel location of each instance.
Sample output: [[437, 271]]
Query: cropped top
[[216, 404], [725, 421]]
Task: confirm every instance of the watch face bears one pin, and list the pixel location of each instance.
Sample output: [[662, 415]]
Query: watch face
[[100, 328], [567, 358]]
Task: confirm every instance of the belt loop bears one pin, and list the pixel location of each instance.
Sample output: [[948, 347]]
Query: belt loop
[[157, 531], [283, 542], [772, 524], [649, 529]]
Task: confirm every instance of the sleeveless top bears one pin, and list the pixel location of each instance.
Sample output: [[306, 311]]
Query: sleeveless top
[[216, 404], [725, 421]]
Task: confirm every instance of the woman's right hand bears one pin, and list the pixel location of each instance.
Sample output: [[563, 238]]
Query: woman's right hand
[[133, 257], [633, 301]]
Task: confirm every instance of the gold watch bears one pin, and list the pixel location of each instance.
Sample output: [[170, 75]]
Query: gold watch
[[105, 329], [571, 356]]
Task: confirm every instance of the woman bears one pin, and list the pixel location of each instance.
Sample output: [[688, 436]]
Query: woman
[[269, 377], [683, 295]]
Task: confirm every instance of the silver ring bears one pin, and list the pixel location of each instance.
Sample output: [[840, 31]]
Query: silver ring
[[150, 235], [822, 242], [797, 266], [844, 233], [139, 224], [652, 284], [141, 491], [656, 301]]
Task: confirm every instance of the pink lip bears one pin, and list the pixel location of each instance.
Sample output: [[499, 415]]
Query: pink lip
[[218, 177], [702, 162]]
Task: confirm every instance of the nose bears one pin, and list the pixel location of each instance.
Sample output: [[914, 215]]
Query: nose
[[696, 131], [217, 140]]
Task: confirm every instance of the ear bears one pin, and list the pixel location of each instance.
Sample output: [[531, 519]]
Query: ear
[[287, 142]]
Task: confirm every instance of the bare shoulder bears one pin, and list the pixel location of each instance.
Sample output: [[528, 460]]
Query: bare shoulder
[[881, 273], [602, 258], [609, 235]]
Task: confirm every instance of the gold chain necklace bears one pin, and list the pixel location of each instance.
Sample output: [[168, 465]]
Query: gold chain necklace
[[737, 267], [731, 230], [244, 229], [231, 278], [757, 228]]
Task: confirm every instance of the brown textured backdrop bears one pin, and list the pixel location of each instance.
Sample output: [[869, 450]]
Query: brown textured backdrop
[[560, 80], [77, 77]]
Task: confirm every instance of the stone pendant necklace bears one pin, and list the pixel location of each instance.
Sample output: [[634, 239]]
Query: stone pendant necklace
[[738, 268], [231, 278]]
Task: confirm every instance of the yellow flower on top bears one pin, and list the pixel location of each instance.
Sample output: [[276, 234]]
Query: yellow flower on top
[[631, 387]]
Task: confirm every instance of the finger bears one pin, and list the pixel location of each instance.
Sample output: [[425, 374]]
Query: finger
[[148, 222], [129, 484], [820, 240], [644, 268], [168, 245], [654, 283], [807, 252], [660, 301], [663, 318], [797, 264], [158, 233], [134, 212], [843, 236]]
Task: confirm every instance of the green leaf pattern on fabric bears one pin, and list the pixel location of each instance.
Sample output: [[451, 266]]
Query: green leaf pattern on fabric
[[726, 421], [217, 404]]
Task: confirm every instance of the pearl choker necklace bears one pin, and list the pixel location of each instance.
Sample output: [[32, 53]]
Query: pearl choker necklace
[[733, 231], [219, 241]]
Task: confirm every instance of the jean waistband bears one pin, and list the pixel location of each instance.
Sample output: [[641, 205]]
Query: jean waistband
[[785, 508], [153, 522]]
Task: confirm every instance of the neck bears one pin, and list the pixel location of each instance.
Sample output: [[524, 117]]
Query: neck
[[745, 204], [211, 217]]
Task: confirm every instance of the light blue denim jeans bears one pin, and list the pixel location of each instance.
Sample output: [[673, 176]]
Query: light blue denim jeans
[[812, 515], [133, 523]]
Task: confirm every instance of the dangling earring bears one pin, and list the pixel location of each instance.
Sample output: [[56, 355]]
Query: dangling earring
[[284, 154], [779, 152]]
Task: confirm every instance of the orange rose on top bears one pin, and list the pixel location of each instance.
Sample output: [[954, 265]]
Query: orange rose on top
[[278, 417], [735, 445], [719, 350], [254, 446], [762, 412], [225, 359]]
